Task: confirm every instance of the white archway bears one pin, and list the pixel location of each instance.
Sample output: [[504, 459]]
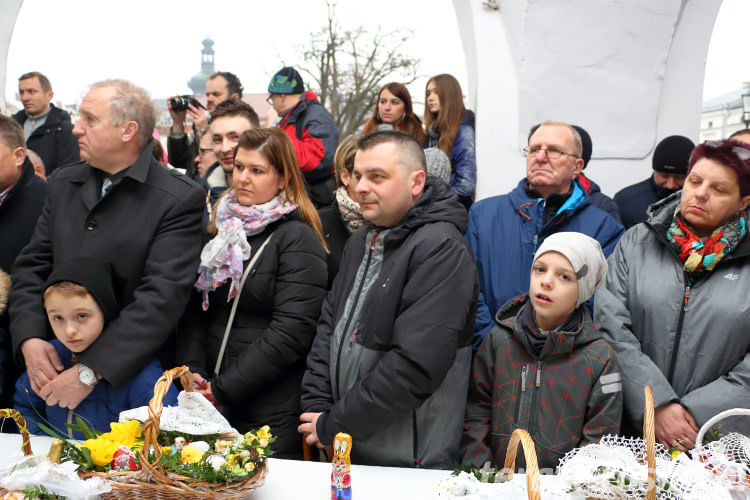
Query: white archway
[[628, 72]]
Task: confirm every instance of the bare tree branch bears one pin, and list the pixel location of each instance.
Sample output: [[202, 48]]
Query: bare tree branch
[[348, 66]]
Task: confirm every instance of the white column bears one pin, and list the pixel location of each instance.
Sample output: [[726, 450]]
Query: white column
[[630, 73], [8, 13]]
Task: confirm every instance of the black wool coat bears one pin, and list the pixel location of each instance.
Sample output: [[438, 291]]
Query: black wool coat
[[147, 227], [261, 372]]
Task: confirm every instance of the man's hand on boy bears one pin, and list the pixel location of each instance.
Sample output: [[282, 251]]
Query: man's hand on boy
[[675, 427], [66, 390], [42, 362]]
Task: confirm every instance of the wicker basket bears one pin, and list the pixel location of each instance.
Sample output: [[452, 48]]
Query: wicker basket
[[25, 438], [153, 482], [532, 467]]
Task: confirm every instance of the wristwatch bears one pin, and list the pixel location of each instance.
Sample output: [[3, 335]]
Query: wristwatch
[[86, 375]]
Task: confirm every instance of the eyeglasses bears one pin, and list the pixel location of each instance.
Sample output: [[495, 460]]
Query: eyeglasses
[[205, 150], [269, 99], [552, 153]]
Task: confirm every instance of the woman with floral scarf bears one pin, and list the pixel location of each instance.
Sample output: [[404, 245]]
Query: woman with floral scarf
[[343, 216], [258, 379], [675, 302]]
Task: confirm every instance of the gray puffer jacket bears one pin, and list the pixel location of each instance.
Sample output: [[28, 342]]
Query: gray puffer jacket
[[690, 343]]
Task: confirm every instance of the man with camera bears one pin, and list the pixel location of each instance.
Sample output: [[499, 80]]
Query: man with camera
[[182, 148]]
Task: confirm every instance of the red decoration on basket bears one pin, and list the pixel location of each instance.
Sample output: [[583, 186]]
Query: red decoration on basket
[[124, 460]]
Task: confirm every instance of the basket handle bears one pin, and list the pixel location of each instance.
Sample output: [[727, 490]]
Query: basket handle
[[650, 437], [151, 425], [532, 467], [734, 412], [21, 423]]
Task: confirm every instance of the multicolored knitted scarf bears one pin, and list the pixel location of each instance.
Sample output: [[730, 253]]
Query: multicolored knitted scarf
[[703, 254], [349, 209], [223, 257]]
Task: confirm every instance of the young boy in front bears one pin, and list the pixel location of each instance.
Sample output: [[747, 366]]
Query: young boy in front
[[80, 300], [544, 367]]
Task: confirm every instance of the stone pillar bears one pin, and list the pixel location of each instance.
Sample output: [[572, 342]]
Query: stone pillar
[[630, 73]]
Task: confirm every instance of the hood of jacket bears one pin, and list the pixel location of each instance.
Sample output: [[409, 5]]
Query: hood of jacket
[[587, 184], [438, 203], [559, 342], [309, 98], [469, 119]]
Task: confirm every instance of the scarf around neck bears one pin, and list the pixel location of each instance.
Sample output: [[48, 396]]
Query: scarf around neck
[[223, 257], [703, 254], [349, 210], [537, 337]]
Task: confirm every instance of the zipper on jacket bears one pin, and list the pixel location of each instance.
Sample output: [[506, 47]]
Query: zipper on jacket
[[351, 315], [678, 334], [414, 449], [533, 416], [524, 369]]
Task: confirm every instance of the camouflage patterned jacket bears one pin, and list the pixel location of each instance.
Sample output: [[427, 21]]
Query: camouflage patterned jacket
[[568, 396]]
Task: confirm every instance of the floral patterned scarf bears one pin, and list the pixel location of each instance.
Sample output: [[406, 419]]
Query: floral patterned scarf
[[703, 254], [223, 257], [349, 209]]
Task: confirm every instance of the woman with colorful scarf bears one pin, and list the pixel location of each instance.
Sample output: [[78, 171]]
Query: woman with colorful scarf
[[343, 216], [675, 302], [259, 377]]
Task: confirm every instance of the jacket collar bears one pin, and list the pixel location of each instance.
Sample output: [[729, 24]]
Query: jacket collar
[[138, 171], [558, 343]]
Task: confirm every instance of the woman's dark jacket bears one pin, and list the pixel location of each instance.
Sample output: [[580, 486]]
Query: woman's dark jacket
[[261, 373], [336, 235]]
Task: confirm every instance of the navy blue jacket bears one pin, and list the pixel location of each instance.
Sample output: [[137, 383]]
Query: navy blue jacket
[[634, 200], [599, 199], [463, 178], [101, 407], [504, 233]]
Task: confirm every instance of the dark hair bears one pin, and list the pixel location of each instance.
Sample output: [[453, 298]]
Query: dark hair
[[235, 107], [158, 152], [446, 121], [410, 123], [43, 80], [234, 86], [274, 144], [410, 151], [730, 153], [11, 133]]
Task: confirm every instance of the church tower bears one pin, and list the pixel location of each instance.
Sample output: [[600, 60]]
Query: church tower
[[198, 82]]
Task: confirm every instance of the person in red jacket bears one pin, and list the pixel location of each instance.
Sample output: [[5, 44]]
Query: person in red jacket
[[311, 128]]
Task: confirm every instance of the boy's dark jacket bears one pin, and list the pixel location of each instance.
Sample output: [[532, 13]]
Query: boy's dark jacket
[[101, 407], [567, 397]]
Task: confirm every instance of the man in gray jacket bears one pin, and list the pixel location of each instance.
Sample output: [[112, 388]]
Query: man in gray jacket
[[390, 360]]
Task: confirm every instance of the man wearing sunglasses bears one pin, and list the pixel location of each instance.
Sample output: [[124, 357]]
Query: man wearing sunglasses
[[505, 231]]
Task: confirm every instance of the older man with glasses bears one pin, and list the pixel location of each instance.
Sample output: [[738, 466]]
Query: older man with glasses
[[505, 231]]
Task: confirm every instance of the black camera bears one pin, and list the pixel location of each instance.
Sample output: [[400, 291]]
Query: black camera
[[181, 102]]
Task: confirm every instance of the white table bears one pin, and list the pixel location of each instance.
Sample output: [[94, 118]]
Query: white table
[[298, 479]]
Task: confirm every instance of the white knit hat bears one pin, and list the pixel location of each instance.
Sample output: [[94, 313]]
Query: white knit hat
[[584, 254]]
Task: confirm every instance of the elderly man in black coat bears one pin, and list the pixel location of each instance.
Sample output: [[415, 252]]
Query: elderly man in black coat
[[22, 194], [121, 207]]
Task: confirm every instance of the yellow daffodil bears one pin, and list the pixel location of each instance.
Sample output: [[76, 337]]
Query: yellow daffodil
[[263, 442], [102, 450], [190, 455], [264, 432], [125, 433], [675, 453]]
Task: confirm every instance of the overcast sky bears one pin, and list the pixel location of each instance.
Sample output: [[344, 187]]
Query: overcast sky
[[157, 44]]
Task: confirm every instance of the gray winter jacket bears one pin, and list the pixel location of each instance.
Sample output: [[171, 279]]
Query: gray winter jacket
[[690, 343], [391, 357]]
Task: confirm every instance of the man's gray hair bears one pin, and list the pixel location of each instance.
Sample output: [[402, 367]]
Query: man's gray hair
[[131, 102], [577, 144], [410, 152]]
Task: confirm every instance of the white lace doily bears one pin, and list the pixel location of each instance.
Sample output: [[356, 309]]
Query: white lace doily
[[60, 479], [194, 414], [465, 486]]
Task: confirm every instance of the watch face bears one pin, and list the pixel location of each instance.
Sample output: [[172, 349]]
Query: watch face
[[86, 375]]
